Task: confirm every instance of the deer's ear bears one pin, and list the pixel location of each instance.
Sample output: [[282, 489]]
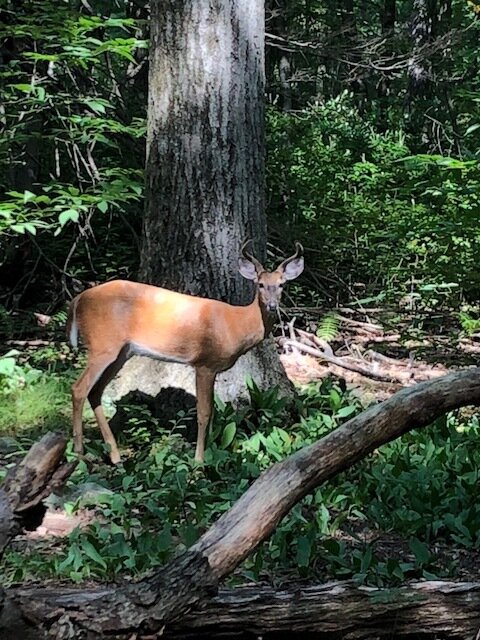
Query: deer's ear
[[247, 269], [293, 268]]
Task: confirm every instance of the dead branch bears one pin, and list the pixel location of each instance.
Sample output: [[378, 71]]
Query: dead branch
[[323, 344], [41, 471], [341, 362]]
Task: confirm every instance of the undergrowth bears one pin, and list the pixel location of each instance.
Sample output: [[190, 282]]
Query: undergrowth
[[421, 487]]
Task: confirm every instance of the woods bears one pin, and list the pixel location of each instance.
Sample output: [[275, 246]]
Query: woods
[[147, 142]]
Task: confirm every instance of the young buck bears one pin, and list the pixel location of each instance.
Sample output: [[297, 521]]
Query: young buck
[[118, 319]]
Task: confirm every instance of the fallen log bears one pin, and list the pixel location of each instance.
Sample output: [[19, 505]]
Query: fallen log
[[192, 578], [335, 609], [340, 609]]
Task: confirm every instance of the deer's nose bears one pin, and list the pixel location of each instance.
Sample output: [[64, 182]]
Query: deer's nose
[[272, 306]]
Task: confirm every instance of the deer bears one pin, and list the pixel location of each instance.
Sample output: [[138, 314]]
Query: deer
[[120, 318]]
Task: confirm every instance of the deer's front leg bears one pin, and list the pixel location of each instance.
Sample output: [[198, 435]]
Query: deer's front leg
[[205, 381]]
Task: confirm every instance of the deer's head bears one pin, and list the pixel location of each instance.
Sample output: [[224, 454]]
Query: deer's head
[[270, 283]]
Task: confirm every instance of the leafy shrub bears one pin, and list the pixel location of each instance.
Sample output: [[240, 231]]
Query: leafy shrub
[[31, 400], [367, 207]]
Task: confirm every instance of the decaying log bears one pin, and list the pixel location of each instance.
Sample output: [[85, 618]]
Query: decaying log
[[334, 609], [41, 471], [163, 598], [338, 609]]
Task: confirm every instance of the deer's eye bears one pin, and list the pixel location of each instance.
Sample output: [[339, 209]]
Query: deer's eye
[[261, 285]]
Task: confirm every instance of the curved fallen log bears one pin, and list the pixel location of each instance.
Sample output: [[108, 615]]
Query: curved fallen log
[[161, 599]]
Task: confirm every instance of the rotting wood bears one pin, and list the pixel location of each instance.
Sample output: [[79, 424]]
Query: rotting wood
[[355, 612], [41, 471], [190, 579]]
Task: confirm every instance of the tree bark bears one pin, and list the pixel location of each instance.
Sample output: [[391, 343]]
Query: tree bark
[[41, 471], [191, 578], [279, 62], [204, 172], [432, 607], [205, 145], [419, 67], [338, 608]]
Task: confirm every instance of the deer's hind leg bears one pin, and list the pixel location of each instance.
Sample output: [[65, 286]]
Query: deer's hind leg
[[93, 373], [205, 382], [95, 399]]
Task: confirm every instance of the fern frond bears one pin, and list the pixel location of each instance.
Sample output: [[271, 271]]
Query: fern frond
[[328, 327]]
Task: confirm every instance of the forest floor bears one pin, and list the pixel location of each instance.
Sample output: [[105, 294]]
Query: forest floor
[[376, 352]]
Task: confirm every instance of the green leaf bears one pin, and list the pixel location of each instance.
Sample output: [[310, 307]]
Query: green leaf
[[419, 550], [7, 366], [102, 205], [99, 106], [26, 88], [41, 93], [127, 481], [67, 216], [343, 412], [27, 196], [472, 128], [228, 435], [19, 228], [304, 550], [164, 539], [92, 553], [31, 228]]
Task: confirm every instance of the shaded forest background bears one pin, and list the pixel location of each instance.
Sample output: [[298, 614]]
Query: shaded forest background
[[373, 139]]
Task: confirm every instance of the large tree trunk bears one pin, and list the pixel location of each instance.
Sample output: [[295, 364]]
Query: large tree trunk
[[205, 171], [191, 578], [205, 145]]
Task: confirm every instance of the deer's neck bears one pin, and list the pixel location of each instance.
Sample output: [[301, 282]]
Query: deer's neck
[[263, 317]]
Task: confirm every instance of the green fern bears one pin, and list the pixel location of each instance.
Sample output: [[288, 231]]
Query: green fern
[[328, 327], [60, 318]]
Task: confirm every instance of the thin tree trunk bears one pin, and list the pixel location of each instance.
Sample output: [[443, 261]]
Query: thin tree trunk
[[192, 578], [388, 17], [419, 67], [279, 62]]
